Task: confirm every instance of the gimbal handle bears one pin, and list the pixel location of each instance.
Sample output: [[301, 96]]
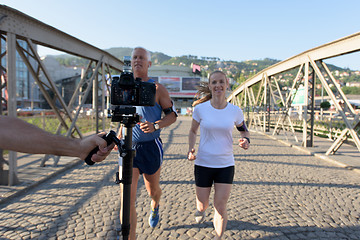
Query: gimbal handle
[[109, 138]]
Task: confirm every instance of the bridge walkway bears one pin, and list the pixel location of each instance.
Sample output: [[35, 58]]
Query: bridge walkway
[[279, 192]]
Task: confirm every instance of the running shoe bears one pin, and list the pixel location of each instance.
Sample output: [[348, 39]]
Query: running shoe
[[199, 216], [154, 217]]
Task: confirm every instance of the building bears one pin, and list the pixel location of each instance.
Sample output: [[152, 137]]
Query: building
[[27, 92], [57, 71], [181, 83], [353, 84], [65, 78]]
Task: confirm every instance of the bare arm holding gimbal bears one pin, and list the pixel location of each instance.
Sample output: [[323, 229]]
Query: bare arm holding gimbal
[[20, 136]]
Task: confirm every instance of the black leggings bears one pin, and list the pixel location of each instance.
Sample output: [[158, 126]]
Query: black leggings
[[205, 177]]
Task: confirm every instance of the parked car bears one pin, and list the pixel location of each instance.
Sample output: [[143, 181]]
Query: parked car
[[24, 111]]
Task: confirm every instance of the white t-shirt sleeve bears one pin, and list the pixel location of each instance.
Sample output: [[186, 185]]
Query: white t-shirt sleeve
[[196, 114], [239, 116]]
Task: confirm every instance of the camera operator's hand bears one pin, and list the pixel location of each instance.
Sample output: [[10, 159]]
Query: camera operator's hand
[[86, 145], [18, 135], [147, 127]]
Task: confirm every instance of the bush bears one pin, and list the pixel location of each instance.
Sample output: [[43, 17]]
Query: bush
[[325, 105]]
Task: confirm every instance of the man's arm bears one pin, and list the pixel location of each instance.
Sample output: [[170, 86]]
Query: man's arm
[[163, 98], [20, 136], [165, 102]]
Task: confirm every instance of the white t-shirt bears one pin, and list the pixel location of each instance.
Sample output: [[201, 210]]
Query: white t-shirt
[[216, 126]]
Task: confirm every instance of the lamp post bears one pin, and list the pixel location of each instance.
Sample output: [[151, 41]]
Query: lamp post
[[32, 95]]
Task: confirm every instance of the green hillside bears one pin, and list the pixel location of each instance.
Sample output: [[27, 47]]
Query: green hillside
[[239, 71]]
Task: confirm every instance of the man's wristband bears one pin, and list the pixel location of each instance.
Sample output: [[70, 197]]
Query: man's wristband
[[248, 139]]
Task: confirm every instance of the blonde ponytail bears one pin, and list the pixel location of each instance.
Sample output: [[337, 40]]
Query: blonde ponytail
[[203, 94]]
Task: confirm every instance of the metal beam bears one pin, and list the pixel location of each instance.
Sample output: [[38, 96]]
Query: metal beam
[[11, 86], [26, 27], [336, 48]]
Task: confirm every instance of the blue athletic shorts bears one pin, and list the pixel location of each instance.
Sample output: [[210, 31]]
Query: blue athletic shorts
[[205, 177], [148, 157]]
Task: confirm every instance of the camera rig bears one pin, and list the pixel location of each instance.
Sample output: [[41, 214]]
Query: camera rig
[[127, 92]]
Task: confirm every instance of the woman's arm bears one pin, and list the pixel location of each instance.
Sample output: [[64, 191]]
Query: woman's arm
[[244, 141], [192, 139]]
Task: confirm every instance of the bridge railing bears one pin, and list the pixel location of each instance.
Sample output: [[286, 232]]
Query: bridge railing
[[17, 28], [327, 124], [262, 93]]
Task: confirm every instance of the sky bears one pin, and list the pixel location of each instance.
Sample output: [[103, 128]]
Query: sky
[[228, 29]]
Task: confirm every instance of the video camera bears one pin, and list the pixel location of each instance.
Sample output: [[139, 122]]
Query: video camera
[[126, 90]]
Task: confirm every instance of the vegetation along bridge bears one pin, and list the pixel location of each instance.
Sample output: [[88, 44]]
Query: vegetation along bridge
[[268, 106]]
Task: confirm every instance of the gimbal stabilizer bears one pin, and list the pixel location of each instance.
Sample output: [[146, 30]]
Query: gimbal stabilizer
[[129, 119]]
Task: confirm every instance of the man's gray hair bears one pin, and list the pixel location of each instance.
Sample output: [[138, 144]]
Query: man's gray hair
[[147, 52]]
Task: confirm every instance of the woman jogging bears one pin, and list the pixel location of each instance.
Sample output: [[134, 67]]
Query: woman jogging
[[214, 162]]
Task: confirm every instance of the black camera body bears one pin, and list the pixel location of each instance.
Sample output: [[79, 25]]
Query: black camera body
[[126, 90]]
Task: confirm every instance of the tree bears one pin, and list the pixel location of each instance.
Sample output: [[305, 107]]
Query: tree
[[325, 105], [351, 90]]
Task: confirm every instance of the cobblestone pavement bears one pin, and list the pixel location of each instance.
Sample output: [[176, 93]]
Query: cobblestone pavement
[[278, 193]]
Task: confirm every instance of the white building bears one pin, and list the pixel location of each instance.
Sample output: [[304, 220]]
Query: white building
[[180, 81]]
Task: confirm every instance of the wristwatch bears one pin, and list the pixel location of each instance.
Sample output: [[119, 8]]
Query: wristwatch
[[156, 126]]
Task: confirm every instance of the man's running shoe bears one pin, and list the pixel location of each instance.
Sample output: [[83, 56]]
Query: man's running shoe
[[154, 217]]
